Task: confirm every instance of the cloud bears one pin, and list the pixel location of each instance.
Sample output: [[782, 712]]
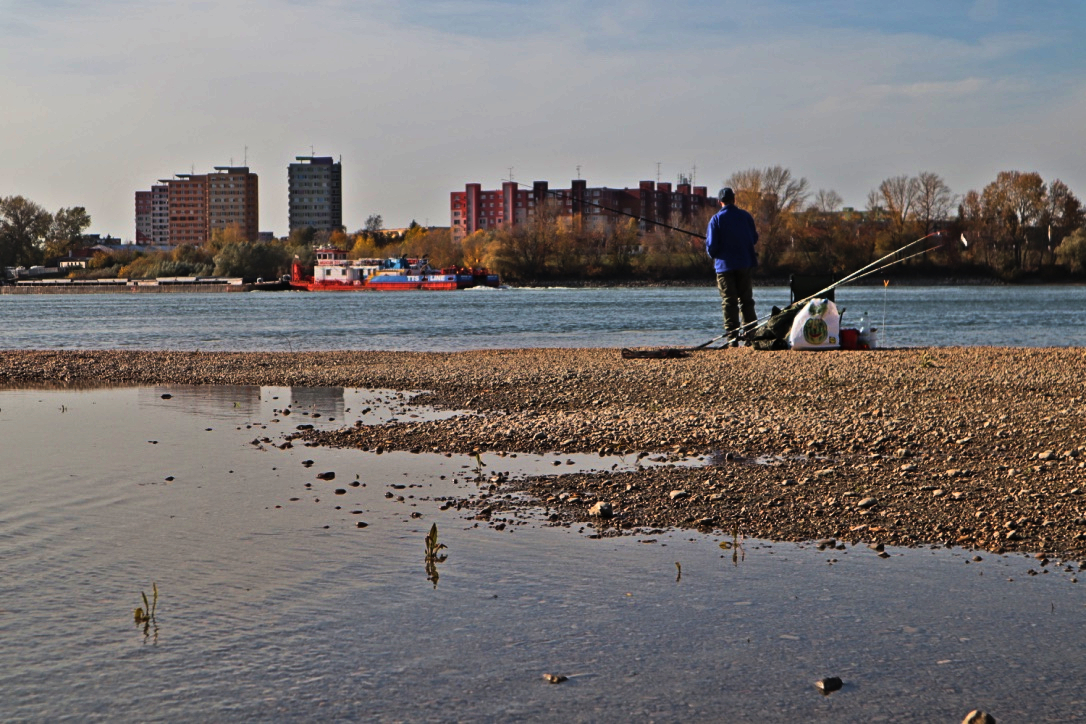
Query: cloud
[[420, 97]]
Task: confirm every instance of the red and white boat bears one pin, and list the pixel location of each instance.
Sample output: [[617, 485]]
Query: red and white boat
[[334, 272]]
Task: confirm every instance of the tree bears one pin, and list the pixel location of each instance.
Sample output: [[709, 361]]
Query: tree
[[934, 200], [66, 231], [773, 197], [1014, 204], [827, 201], [898, 196], [23, 228], [374, 224], [249, 259], [1072, 251]]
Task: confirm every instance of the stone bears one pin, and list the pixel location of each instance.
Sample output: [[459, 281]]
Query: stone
[[867, 503], [326, 476], [909, 468], [167, 396], [341, 491], [829, 685], [555, 678], [678, 494], [360, 524], [1047, 455], [602, 509], [978, 717]]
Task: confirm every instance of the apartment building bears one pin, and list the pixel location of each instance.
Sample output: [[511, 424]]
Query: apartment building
[[187, 208], [153, 215], [315, 193], [653, 203]]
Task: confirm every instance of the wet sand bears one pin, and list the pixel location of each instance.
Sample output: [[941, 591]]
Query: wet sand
[[978, 447]]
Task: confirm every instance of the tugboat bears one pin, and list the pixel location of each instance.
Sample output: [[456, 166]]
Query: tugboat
[[334, 272]]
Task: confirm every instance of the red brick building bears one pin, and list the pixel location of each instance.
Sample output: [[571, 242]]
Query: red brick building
[[474, 208], [186, 209]]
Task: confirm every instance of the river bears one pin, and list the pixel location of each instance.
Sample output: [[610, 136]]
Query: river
[[908, 316]]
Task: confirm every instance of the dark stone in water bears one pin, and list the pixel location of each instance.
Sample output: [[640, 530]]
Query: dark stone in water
[[828, 685], [360, 524], [167, 396], [326, 476], [341, 491], [307, 463]]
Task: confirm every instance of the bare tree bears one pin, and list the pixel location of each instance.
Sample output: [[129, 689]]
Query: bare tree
[[934, 200], [827, 201], [899, 194]]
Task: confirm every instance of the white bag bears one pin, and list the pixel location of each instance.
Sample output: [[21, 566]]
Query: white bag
[[817, 326]]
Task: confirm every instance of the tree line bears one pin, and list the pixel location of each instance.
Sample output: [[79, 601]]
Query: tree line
[[1017, 226]]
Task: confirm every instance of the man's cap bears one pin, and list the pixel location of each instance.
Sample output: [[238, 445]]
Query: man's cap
[[726, 195]]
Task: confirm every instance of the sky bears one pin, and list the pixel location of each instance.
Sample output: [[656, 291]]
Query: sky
[[99, 99]]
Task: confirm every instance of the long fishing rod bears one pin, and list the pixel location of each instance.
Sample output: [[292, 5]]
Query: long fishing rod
[[854, 276], [564, 195]]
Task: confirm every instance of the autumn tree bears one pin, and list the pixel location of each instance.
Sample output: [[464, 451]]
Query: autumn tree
[[774, 197]]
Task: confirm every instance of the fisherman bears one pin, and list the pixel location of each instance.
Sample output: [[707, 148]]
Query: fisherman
[[730, 242]]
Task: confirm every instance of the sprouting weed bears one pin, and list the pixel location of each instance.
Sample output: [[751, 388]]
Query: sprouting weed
[[145, 616], [433, 555]]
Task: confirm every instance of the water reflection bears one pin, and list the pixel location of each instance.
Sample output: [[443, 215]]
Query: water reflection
[[204, 400], [327, 401]]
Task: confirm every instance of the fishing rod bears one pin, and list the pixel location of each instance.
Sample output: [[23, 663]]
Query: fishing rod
[[564, 195], [872, 268]]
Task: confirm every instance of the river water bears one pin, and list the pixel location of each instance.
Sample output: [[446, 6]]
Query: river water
[[274, 605], [908, 316]]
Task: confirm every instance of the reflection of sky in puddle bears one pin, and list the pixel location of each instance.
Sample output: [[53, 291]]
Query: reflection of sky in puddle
[[275, 605]]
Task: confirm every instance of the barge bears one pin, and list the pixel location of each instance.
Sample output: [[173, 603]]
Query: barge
[[334, 272]]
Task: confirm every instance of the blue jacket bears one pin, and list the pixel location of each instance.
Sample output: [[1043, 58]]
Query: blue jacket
[[730, 240]]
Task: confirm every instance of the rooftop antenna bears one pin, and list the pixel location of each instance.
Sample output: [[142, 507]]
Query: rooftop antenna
[[510, 174], [657, 172], [694, 175], [578, 172], [246, 156], [311, 151]]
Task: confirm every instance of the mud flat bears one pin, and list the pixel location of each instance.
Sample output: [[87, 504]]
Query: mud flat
[[975, 447]]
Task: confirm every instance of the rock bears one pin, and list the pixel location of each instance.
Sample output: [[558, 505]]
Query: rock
[[938, 493], [908, 468], [878, 547], [828, 685], [788, 482], [867, 503], [978, 717], [601, 509], [167, 396], [341, 491], [678, 494], [1047, 455], [360, 524], [326, 476], [555, 678]]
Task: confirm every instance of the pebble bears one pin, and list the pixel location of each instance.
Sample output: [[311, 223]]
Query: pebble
[[978, 717], [867, 503], [555, 678], [601, 509], [326, 476], [678, 494], [829, 685]]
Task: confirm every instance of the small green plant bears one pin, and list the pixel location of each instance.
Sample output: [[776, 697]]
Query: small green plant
[[434, 555], [479, 465], [145, 615]]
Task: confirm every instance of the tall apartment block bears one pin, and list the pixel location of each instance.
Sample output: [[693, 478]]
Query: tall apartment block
[[315, 193], [475, 208], [186, 209], [153, 215]]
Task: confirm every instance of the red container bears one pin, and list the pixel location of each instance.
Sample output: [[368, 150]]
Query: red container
[[850, 338]]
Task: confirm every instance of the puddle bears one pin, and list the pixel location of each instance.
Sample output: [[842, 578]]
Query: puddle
[[275, 604]]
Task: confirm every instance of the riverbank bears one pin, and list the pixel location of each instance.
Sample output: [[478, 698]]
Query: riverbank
[[979, 447]]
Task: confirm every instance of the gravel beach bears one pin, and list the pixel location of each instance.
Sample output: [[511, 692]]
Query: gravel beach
[[977, 447]]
